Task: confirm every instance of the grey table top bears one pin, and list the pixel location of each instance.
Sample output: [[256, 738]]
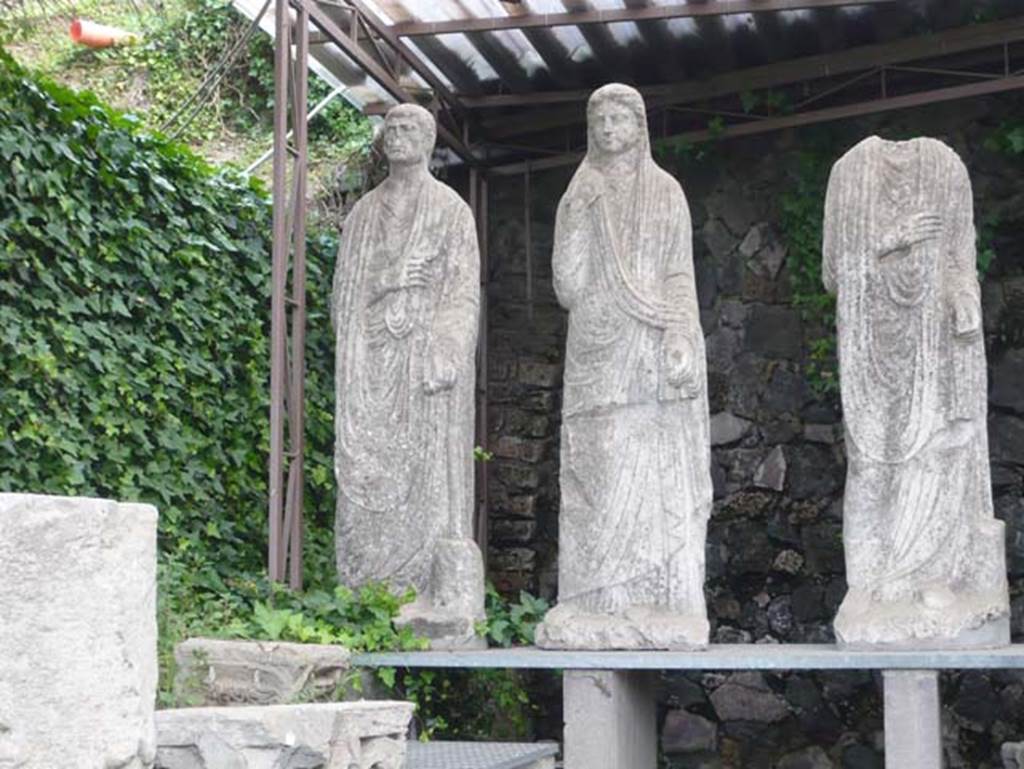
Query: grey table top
[[477, 755], [715, 657]]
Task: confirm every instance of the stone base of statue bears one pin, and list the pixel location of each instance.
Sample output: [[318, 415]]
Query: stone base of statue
[[930, 619], [447, 612], [638, 627]]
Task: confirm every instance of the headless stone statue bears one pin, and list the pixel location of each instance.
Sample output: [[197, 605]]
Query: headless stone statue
[[405, 307], [635, 456], [924, 553]]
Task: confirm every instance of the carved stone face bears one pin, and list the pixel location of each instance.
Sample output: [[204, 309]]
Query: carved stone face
[[406, 139], [613, 127]]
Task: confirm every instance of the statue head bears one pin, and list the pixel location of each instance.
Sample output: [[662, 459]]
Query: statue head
[[409, 135], [616, 120]]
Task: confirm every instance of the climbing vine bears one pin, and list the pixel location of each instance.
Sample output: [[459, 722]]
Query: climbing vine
[[801, 212]]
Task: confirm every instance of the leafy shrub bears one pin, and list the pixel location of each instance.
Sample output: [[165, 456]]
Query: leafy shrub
[[134, 295], [512, 624]]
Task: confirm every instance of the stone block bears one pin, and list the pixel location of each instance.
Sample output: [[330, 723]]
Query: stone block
[[314, 736], [814, 472], [823, 548], [78, 662], [821, 433], [685, 732], [913, 728], [1008, 382], [722, 346], [774, 332], [808, 758], [1006, 436], [609, 720], [786, 391], [734, 313], [753, 240], [534, 373], [719, 241], [861, 757], [771, 473], [728, 428], [512, 531], [218, 672], [518, 477], [513, 506], [781, 428], [756, 287], [529, 450], [746, 697]]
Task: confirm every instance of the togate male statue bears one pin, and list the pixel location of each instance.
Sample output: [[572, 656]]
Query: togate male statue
[[405, 307], [635, 453], [924, 553]]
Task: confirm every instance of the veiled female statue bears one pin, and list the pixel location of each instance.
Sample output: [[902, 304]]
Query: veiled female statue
[[635, 454], [924, 553], [405, 309]]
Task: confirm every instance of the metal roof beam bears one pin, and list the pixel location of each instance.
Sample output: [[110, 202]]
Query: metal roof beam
[[850, 62], [859, 109], [794, 70], [650, 13], [372, 21], [354, 51]]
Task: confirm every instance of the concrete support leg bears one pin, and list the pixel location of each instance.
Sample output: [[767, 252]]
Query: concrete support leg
[[913, 725], [610, 720]]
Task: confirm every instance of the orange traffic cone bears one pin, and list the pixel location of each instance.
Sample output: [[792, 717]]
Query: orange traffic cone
[[99, 35]]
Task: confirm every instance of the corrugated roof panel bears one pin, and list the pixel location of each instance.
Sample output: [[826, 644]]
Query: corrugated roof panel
[[460, 44], [519, 62]]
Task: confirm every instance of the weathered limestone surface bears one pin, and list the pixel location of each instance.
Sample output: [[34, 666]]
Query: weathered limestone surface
[[78, 664], [405, 307], [924, 553], [1013, 755], [353, 735], [913, 723], [635, 452], [218, 672]]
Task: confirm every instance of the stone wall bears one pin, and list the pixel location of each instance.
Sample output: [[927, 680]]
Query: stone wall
[[775, 558]]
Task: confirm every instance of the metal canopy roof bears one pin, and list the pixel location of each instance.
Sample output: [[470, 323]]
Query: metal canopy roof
[[508, 80]]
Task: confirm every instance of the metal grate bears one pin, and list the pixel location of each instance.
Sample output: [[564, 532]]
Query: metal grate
[[477, 755]]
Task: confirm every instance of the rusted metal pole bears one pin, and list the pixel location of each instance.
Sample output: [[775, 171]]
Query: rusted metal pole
[[614, 15], [483, 528], [528, 241], [296, 403], [279, 267]]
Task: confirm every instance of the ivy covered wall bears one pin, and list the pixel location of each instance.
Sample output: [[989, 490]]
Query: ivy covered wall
[[134, 295]]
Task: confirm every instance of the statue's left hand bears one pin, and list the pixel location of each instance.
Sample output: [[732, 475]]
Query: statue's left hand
[[966, 314], [440, 371], [678, 359]]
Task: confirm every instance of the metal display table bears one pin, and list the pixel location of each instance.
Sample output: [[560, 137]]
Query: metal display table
[[481, 755], [715, 657], [610, 719]]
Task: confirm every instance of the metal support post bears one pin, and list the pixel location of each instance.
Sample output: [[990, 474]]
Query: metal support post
[[478, 204], [287, 371]]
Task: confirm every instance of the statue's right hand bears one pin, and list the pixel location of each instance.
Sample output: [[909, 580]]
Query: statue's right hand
[[583, 197], [918, 228], [415, 273]]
